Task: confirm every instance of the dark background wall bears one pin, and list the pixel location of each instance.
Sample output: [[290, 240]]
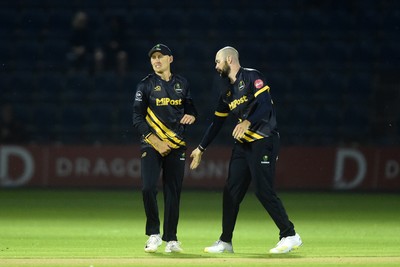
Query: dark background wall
[[332, 65]]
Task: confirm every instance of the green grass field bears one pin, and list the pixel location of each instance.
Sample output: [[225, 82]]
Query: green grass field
[[106, 228]]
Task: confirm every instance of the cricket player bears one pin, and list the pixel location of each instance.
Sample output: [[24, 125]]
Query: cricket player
[[162, 109], [246, 95]]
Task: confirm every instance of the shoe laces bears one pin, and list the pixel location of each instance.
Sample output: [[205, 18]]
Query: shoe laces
[[218, 242], [281, 241], [152, 239], [174, 243]]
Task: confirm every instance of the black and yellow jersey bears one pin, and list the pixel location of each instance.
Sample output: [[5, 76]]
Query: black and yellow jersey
[[248, 98], [159, 106]]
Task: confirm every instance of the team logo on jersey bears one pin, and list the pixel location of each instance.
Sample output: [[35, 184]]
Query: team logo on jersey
[[258, 83], [157, 88], [165, 101], [228, 94], [183, 156], [241, 85], [178, 88], [238, 102], [265, 160], [144, 154], [138, 96]]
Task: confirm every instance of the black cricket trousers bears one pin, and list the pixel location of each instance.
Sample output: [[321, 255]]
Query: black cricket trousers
[[172, 169], [254, 161]]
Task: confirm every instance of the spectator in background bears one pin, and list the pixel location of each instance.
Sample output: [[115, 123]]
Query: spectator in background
[[11, 131], [112, 55], [81, 53]]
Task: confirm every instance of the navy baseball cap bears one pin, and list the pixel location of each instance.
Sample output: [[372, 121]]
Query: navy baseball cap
[[162, 48]]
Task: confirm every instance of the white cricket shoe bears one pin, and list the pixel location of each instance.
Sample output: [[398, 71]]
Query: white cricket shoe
[[219, 247], [173, 246], [153, 243], [287, 244]]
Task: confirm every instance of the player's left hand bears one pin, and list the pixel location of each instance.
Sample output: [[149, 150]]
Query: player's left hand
[[187, 119], [240, 129], [196, 158]]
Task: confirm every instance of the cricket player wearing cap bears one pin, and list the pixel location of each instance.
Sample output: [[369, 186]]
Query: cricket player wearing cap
[[162, 109]]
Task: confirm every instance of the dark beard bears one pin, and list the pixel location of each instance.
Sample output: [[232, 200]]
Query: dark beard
[[225, 71]]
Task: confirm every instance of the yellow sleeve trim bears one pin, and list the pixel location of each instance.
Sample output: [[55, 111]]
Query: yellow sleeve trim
[[265, 88], [220, 114]]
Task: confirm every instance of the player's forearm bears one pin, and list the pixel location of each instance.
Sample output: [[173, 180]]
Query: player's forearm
[[140, 124], [212, 131], [190, 108]]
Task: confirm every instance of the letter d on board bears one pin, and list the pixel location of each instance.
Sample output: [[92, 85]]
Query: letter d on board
[[392, 169], [349, 154], [25, 156]]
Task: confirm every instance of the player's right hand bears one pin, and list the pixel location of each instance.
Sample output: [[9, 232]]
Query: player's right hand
[[159, 145], [196, 158], [163, 148]]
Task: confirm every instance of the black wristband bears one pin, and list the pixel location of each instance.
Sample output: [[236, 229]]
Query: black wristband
[[201, 148]]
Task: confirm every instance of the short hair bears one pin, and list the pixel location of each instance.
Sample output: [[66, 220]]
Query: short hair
[[229, 51]]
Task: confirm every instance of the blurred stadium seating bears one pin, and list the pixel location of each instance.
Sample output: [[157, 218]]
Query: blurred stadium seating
[[322, 58]]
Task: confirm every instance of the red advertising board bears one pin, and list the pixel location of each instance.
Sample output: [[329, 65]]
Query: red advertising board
[[303, 168]]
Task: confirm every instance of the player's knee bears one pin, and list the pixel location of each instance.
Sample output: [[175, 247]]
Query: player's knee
[[265, 195], [149, 189]]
